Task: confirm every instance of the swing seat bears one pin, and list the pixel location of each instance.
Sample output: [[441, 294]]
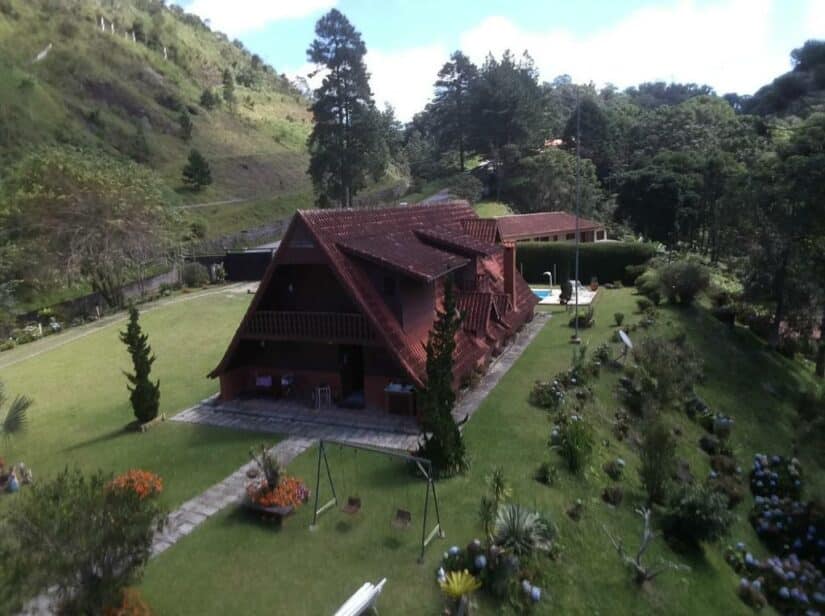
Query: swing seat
[[353, 505], [402, 519]]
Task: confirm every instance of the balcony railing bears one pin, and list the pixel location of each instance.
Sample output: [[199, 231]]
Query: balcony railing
[[316, 326]]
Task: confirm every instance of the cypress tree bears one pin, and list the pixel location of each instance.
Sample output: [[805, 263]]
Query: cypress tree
[[144, 395], [443, 445]]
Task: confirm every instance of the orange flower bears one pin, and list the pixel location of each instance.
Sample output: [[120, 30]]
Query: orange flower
[[143, 483], [291, 492]]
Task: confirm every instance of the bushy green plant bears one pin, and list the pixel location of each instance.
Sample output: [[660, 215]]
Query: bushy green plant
[[547, 394], [618, 318], [14, 419], [682, 281], [194, 275], [698, 513], [644, 305], [76, 534], [604, 260], [521, 531], [547, 474], [658, 460], [466, 186], [667, 369], [585, 318], [576, 443]]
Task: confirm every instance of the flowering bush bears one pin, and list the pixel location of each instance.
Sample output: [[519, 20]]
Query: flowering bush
[[143, 483], [290, 492], [132, 604]]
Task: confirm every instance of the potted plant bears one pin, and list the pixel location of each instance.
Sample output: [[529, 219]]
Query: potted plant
[[594, 283], [272, 491]]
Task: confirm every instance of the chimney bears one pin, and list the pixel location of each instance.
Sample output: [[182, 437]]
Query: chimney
[[510, 271]]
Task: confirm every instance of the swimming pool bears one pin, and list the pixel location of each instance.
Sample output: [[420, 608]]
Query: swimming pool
[[541, 293]]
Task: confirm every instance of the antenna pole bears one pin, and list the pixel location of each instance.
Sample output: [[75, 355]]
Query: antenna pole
[[576, 339]]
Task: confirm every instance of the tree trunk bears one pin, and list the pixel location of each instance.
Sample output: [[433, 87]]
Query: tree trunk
[[779, 290], [820, 356]]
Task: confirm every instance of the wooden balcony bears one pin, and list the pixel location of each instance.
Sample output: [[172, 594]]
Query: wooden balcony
[[311, 326]]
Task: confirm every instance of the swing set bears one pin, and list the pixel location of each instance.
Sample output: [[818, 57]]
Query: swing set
[[402, 519]]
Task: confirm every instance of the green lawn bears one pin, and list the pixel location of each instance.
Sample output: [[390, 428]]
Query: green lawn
[[235, 563], [81, 403], [486, 209]]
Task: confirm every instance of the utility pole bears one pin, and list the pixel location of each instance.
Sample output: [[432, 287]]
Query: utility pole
[[576, 339]]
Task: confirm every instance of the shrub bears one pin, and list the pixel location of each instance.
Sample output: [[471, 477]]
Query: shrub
[[195, 275], [547, 474], [585, 319], [576, 443], [618, 318], [682, 281], [697, 514], [644, 304], [658, 460], [144, 484], [668, 369], [91, 525], [603, 260], [523, 532], [547, 394]]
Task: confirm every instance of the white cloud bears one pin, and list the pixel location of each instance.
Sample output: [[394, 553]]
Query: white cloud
[[405, 78], [402, 78], [237, 16], [726, 45]]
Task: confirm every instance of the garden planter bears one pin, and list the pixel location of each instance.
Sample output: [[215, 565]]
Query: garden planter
[[279, 512]]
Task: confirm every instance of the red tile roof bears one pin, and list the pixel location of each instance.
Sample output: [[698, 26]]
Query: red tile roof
[[402, 238], [540, 224], [403, 251], [483, 229]]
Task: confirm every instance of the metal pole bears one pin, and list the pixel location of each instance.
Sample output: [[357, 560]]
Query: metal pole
[[576, 338], [317, 484], [437, 514], [424, 522]]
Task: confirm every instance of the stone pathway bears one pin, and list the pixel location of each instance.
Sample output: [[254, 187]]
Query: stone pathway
[[195, 511], [304, 423]]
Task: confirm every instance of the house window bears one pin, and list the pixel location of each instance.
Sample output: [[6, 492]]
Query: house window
[[570, 236], [389, 286]]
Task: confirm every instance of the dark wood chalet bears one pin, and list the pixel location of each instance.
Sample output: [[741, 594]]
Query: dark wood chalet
[[346, 305]]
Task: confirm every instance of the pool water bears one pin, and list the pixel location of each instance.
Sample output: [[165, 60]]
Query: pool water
[[541, 293]]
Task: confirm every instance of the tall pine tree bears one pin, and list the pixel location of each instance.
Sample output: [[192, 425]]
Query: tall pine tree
[[144, 395], [443, 445], [345, 133], [451, 104]]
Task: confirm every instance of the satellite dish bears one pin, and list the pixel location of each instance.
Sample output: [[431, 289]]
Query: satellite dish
[[626, 339]]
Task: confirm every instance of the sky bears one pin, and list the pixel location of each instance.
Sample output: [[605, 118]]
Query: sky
[[731, 45]]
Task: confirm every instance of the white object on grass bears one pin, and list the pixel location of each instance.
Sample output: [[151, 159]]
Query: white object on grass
[[626, 339], [363, 599]]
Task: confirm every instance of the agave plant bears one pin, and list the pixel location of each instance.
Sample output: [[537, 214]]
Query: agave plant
[[14, 420], [521, 531], [458, 584]]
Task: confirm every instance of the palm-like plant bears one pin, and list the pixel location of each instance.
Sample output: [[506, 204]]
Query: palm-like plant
[[458, 584], [14, 419], [521, 531]]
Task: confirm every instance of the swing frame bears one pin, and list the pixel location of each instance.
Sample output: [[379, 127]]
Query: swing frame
[[424, 465]]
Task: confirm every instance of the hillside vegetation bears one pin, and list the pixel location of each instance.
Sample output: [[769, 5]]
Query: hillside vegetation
[[118, 76]]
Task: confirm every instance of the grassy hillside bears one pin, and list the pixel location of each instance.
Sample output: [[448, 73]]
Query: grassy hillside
[[104, 89]]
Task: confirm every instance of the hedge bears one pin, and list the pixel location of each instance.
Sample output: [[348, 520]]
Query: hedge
[[604, 260]]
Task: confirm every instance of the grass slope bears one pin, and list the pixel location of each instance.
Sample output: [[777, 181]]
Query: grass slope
[[235, 563], [100, 89], [81, 402]]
